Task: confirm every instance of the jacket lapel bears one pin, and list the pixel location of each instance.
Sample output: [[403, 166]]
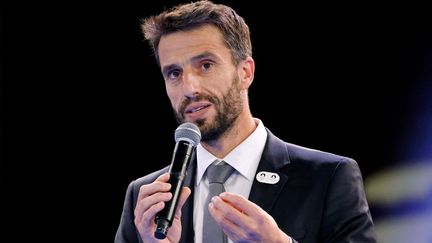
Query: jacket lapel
[[275, 156]]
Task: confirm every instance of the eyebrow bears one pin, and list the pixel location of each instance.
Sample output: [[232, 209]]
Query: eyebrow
[[203, 55]]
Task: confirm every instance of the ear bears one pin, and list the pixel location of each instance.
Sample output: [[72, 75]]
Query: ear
[[247, 72]]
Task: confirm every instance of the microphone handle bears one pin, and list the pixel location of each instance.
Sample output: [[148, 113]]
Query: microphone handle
[[183, 154]]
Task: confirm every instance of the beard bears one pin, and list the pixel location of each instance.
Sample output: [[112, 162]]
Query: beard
[[228, 109]]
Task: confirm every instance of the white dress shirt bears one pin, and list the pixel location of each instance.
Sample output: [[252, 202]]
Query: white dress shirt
[[244, 159]]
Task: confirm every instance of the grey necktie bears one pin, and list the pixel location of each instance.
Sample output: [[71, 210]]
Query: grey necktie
[[217, 173]]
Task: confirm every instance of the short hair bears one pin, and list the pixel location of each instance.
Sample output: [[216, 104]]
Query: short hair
[[188, 16]]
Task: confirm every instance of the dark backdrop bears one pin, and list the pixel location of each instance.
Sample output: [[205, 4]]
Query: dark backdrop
[[84, 109]]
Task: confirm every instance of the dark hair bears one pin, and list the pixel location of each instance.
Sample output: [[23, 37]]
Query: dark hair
[[184, 17]]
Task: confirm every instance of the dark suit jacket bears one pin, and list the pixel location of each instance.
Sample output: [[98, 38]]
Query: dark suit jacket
[[319, 198]]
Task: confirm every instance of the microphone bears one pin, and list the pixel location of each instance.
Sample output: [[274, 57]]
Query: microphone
[[187, 137]]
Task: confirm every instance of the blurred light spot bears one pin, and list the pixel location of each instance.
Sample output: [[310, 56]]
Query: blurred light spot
[[410, 228], [407, 182], [400, 199]]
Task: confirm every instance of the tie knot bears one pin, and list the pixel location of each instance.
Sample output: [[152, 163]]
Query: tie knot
[[219, 172]]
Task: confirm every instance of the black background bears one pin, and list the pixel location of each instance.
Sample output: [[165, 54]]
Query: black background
[[84, 109]]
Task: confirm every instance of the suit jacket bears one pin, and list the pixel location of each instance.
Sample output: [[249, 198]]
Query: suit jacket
[[319, 197]]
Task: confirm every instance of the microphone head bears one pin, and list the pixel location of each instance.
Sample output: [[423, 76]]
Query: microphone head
[[188, 132]]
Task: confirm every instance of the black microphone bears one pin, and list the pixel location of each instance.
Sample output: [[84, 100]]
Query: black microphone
[[187, 137]]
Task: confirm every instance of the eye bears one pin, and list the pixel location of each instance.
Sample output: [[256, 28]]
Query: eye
[[173, 74], [206, 66]]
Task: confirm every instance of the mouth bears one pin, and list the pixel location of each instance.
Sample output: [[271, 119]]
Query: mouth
[[193, 108]]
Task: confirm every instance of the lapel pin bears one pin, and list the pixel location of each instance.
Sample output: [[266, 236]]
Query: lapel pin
[[267, 177]]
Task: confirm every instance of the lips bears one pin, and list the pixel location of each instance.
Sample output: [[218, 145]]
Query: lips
[[193, 108]]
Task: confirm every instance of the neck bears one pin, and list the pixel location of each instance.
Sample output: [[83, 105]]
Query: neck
[[241, 129]]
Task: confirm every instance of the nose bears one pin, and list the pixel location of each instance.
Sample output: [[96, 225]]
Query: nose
[[191, 84]]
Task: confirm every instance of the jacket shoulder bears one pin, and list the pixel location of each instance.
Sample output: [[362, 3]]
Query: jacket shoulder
[[147, 179], [299, 153]]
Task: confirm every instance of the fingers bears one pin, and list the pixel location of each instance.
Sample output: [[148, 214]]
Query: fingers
[[218, 209], [160, 184], [241, 204], [228, 215], [151, 199], [239, 218], [244, 221], [147, 218]]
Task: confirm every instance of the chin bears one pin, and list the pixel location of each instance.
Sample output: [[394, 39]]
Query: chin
[[201, 122]]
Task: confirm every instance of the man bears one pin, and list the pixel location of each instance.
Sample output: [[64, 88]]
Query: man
[[205, 55]]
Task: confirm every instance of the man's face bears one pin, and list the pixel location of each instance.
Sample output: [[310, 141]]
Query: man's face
[[201, 80]]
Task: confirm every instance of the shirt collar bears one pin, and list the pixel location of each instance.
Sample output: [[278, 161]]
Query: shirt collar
[[244, 158]]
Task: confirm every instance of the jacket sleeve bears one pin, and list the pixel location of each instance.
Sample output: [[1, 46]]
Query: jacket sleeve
[[346, 212], [126, 232]]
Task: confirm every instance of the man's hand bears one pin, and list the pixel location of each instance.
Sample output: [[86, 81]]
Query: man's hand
[[151, 200], [244, 221]]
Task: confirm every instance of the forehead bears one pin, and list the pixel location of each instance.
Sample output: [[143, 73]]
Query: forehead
[[183, 45]]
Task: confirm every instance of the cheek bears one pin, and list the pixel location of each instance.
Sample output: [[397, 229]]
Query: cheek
[[173, 96]]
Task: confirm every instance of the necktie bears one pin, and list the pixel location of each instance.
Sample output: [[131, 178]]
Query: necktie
[[217, 173]]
